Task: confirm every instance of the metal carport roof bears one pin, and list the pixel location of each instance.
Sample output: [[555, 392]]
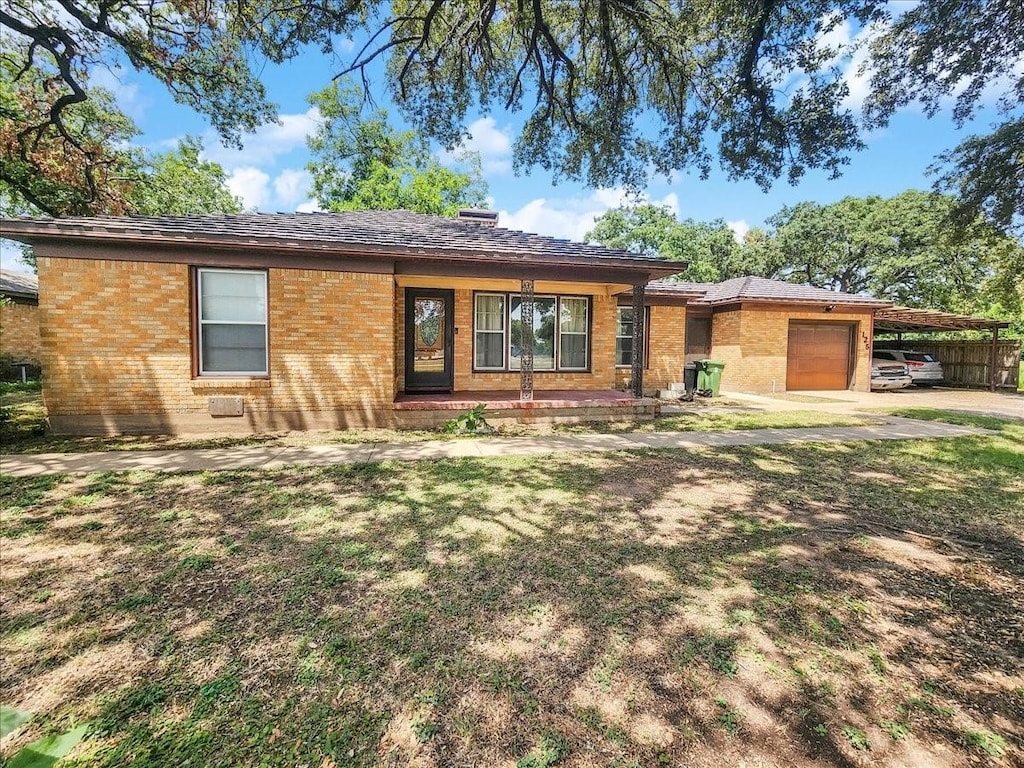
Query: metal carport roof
[[900, 320]]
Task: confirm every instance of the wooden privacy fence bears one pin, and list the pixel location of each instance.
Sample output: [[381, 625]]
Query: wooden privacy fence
[[966, 363]]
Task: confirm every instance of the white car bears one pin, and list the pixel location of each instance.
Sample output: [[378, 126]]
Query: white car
[[924, 369], [886, 374]]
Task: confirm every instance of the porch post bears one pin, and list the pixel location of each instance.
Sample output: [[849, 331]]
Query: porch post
[[639, 353], [526, 341], [992, 358]]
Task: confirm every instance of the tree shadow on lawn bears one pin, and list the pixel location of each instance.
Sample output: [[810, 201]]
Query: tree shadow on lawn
[[794, 605]]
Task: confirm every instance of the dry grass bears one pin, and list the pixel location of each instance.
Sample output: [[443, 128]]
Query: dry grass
[[844, 605]]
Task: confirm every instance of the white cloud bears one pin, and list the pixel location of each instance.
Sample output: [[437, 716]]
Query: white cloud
[[291, 187], [310, 206], [493, 144], [126, 93], [252, 185], [739, 229], [856, 73], [268, 142], [572, 218]]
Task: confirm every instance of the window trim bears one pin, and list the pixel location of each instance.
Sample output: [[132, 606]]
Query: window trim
[[585, 334], [507, 319], [647, 337], [503, 331], [195, 289]]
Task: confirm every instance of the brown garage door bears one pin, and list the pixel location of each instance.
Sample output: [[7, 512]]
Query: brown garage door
[[819, 356]]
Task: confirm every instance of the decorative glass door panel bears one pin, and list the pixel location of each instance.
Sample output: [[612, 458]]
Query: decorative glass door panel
[[428, 339]]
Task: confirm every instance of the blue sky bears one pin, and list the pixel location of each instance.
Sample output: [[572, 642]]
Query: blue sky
[[269, 172]]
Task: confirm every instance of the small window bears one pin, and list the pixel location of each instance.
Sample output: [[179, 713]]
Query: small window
[[882, 355], [232, 316], [624, 337], [490, 332], [572, 329]]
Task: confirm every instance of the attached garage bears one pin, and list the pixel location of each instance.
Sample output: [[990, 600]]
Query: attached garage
[[820, 355], [775, 336]]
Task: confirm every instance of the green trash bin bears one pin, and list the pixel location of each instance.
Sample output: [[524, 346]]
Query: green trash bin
[[703, 383], [709, 375]]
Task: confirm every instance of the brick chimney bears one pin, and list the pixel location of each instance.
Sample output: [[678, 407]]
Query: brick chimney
[[477, 216]]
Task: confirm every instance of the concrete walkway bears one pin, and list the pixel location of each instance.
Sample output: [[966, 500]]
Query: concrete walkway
[[277, 457]]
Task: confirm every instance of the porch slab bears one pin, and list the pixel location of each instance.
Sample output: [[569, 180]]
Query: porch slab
[[504, 406], [509, 398]]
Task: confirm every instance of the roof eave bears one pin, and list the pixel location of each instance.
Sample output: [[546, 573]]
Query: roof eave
[[30, 232], [838, 301]]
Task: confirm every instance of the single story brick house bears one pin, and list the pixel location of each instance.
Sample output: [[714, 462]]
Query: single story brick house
[[19, 317], [336, 320], [324, 320]]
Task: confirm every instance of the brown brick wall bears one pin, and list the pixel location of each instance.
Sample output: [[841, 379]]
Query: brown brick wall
[[666, 337], [117, 343], [19, 331], [753, 344]]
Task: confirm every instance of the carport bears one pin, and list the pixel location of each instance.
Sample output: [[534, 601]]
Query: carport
[[900, 320]]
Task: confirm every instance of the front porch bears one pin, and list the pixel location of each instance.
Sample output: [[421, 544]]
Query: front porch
[[414, 410]]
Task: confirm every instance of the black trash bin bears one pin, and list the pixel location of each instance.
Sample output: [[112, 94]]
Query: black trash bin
[[690, 379]]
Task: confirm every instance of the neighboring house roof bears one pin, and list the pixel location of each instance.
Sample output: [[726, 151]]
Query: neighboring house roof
[[19, 285], [760, 289], [395, 234]]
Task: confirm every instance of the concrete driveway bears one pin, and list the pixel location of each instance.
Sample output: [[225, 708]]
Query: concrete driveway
[[1002, 403]]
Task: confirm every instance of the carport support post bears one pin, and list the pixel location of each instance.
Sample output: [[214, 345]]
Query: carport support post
[[637, 377], [526, 340], [992, 358]]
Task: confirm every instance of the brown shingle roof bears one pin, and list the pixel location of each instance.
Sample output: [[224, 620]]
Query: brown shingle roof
[[387, 232], [19, 284], [761, 289]]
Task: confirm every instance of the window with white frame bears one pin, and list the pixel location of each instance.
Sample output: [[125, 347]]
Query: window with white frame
[[489, 332], [624, 336], [232, 315], [572, 333], [561, 332]]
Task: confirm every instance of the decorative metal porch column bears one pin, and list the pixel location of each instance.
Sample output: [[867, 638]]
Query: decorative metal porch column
[[526, 341], [639, 353]]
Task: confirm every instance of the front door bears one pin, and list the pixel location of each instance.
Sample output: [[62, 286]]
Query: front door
[[429, 332]]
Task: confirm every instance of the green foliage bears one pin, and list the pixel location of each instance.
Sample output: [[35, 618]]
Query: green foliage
[[709, 249], [179, 182], [857, 738], [80, 167], [553, 748], [88, 166], [900, 249], [363, 163], [48, 750], [730, 719], [606, 93], [992, 744], [948, 51], [11, 719], [896, 730], [472, 421]]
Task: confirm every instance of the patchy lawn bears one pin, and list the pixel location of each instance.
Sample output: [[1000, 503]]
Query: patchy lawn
[[858, 604]]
